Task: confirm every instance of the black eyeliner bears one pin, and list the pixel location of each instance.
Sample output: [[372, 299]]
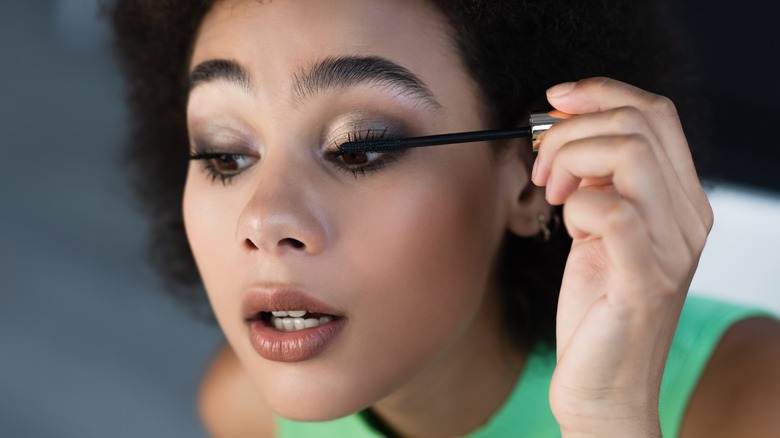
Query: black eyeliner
[[209, 155]]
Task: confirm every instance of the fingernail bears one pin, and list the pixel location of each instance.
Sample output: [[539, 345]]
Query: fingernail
[[561, 89], [533, 171]]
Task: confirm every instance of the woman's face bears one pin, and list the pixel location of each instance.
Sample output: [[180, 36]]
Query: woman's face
[[395, 251]]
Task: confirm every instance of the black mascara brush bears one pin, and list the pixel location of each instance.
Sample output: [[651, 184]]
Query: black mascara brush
[[539, 122]]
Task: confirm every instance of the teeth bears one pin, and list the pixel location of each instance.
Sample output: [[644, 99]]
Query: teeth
[[286, 324], [290, 313]]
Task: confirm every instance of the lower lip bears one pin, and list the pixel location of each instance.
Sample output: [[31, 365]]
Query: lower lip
[[294, 346]]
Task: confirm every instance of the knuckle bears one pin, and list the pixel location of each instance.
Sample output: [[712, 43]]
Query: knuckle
[[621, 217], [567, 151], [627, 118], [634, 150], [595, 82], [663, 106]]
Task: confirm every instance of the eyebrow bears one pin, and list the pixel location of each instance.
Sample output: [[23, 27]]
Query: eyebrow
[[220, 70], [329, 73], [350, 71]]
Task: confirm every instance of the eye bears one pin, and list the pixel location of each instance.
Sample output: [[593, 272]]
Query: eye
[[224, 166], [361, 163], [359, 158]]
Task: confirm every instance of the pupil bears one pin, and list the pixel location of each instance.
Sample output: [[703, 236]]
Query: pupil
[[354, 158], [226, 162]]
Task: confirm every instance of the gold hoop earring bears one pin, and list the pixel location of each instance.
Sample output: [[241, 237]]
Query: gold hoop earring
[[544, 230]]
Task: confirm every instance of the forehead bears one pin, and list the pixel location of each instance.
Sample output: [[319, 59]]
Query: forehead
[[316, 25], [276, 39]]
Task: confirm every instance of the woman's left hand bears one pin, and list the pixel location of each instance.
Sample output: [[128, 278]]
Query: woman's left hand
[[639, 219]]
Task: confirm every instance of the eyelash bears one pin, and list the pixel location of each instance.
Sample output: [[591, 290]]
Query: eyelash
[[209, 162], [209, 158], [335, 155]]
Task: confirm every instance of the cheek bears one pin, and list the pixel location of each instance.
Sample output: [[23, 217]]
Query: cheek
[[209, 222], [442, 240], [418, 265], [431, 245]]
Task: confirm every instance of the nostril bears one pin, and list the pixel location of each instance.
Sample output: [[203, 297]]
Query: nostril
[[250, 244], [297, 244]]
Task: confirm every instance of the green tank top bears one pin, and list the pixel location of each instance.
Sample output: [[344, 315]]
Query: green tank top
[[527, 410]]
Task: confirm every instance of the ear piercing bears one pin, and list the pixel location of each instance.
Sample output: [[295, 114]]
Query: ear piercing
[[544, 230]]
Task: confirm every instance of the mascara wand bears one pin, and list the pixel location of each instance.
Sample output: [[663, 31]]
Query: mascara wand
[[539, 123]]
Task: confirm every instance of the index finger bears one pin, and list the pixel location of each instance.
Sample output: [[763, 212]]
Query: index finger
[[602, 94]]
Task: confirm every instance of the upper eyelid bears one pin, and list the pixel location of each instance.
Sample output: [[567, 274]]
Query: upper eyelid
[[234, 144], [227, 139], [373, 133], [340, 132]]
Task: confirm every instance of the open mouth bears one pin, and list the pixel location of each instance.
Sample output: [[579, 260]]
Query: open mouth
[[295, 320]]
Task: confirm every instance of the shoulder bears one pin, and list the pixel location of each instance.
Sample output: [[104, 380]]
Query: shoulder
[[229, 404], [738, 393]]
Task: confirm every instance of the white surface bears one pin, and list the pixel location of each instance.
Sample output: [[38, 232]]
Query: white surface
[[740, 262]]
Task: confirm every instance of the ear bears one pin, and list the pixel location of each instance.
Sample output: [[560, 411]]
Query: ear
[[524, 216], [525, 200]]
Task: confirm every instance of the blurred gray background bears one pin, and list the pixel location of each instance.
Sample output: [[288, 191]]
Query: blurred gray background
[[90, 346]]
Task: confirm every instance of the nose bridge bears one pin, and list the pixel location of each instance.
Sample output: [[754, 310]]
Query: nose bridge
[[281, 212]]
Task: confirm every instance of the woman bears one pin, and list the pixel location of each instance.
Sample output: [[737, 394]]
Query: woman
[[420, 292]]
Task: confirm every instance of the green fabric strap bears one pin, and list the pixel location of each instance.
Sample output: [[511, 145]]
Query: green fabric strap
[[527, 413], [702, 324]]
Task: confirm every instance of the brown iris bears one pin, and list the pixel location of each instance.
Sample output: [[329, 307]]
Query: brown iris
[[225, 163], [354, 158]]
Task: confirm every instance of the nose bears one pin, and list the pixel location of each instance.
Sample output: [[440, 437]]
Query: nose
[[282, 215]]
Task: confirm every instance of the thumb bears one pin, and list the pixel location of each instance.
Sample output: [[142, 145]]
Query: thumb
[[596, 94]]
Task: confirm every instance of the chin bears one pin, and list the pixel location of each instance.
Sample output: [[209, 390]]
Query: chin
[[316, 406]]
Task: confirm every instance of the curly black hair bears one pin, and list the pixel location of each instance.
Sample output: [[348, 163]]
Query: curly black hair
[[513, 49]]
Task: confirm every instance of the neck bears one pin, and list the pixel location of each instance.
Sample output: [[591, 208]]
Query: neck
[[462, 389]]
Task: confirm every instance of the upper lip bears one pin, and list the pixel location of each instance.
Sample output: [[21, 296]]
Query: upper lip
[[277, 297]]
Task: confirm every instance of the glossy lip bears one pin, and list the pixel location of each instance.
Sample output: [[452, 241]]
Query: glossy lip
[[294, 346]]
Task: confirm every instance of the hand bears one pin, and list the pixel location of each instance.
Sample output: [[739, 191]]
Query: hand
[[639, 219]]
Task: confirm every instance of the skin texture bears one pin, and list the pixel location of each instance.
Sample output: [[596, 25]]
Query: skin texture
[[420, 308], [406, 253], [739, 393], [229, 403], [639, 220]]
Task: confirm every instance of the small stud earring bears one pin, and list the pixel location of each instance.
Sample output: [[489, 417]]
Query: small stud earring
[[544, 230]]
